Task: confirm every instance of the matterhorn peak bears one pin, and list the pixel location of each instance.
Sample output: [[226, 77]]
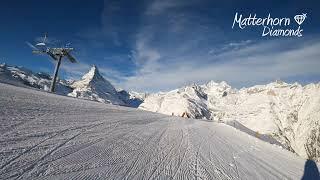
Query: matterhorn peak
[[92, 79], [94, 87], [92, 74]]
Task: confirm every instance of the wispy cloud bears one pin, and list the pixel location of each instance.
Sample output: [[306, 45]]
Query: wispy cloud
[[169, 46], [157, 7], [241, 67], [229, 47]]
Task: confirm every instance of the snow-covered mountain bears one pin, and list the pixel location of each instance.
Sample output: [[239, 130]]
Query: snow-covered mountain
[[290, 113], [198, 101], [92, 86], [132, 98], [21, 76]]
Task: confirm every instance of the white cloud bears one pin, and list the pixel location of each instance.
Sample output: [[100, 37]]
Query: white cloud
[[240, 67], [172, 48], [229, 46], [158, 7]]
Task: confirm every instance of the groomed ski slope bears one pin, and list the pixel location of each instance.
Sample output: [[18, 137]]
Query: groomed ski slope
[[46, 136]]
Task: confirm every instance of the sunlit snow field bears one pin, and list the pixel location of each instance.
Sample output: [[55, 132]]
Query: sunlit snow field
[[47, 136]]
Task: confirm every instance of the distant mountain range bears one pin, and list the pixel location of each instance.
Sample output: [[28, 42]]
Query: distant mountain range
[[92, 86], [280, 113]]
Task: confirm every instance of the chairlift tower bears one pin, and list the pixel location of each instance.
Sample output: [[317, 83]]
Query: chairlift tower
[[56, 54]]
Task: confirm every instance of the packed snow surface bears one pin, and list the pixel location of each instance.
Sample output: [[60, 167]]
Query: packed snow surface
[[47, 136]]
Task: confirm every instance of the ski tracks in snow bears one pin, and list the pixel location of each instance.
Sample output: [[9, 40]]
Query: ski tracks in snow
[[78, 139]]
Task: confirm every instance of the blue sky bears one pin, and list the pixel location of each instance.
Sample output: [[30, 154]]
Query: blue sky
[[158, 45]]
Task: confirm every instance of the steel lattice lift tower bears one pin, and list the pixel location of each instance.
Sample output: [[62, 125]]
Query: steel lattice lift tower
[[56, 53]]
